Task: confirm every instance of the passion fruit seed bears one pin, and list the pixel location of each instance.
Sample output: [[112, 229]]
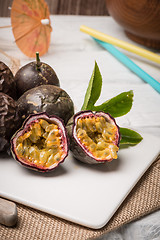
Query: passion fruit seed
[[97, 136], [41, 144]]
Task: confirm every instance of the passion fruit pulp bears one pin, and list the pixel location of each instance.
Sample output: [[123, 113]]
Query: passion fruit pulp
[[94, 137], [41, 144]]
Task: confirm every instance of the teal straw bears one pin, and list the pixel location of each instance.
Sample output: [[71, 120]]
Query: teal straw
[[130, 64]]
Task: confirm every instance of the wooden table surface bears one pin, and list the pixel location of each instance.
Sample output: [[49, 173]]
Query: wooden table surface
[[73, 7]]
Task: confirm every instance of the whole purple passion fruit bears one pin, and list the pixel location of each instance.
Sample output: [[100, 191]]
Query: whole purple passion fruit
[[47, 98], [9, 120], [7, 82], [94, 137], [35, 74], [41, 144]]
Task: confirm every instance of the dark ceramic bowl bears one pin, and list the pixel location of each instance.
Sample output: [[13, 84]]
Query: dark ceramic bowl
[[139, 18]]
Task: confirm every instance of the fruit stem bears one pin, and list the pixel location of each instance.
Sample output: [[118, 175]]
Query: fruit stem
[[37, 60]]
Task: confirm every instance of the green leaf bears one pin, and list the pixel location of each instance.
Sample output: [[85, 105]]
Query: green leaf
[[129, 137], [117, 106], [94, 89]]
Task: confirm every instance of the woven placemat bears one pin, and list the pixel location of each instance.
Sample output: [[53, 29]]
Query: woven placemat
[[35, 225]]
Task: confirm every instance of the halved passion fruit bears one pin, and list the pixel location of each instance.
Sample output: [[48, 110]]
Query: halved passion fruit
[[94, 137], [41, 144]]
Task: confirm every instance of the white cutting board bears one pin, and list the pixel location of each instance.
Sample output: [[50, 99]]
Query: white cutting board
[[85, 194]]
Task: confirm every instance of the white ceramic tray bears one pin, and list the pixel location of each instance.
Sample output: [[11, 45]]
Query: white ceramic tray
[[84, 194]]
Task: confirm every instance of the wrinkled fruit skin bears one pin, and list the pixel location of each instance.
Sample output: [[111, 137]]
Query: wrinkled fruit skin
[[9, 120], [41, 144], [94, 137], [29, 77], [47, 98], [7, 82]]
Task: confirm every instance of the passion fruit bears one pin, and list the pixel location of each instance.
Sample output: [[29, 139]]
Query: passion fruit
[[35, 74], [41, 144], [94, 137], [9, 120], [47, 98], [7, 82]]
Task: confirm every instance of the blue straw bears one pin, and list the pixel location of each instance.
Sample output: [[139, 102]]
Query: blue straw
[[130, 64]]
